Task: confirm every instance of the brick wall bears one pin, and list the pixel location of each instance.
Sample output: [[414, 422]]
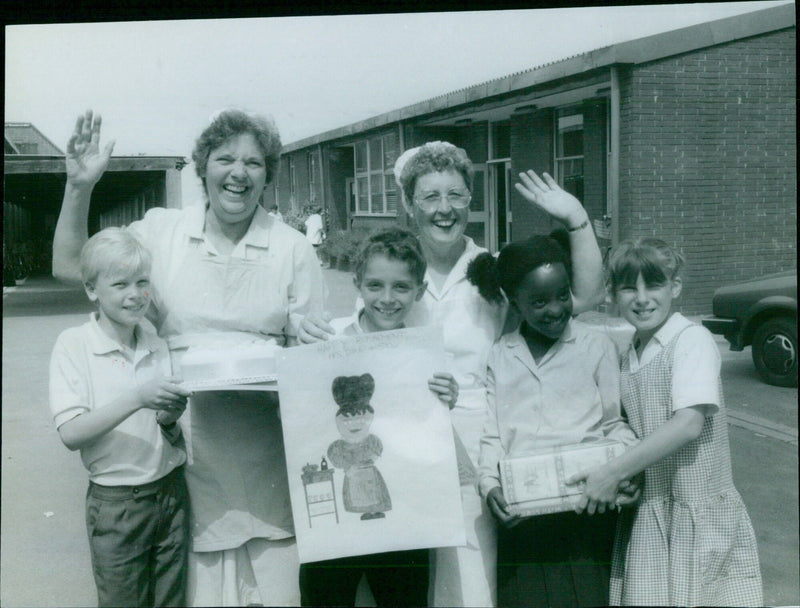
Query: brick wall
[[531, 148], [301, 177], [708, 160], [284, 190]]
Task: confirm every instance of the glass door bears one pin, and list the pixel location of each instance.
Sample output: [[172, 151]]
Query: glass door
[[500, 204], [478, 221]]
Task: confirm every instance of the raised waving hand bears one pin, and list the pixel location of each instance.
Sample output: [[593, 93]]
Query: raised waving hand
[[546, 193], [85, 162]]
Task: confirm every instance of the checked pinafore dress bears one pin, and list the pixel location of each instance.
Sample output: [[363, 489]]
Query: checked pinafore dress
[[690, 542]]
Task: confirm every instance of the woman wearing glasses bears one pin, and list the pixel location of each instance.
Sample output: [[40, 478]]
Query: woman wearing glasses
[[436, 180]]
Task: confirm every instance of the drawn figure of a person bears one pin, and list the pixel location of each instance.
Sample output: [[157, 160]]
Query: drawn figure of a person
[[364, 489]]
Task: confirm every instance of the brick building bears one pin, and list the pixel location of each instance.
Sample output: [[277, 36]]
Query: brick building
[[688, 135]]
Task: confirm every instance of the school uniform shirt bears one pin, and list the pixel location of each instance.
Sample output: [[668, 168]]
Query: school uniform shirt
[[348, 326], [570, 396], [236, 472], [89, 370], [696, 367]]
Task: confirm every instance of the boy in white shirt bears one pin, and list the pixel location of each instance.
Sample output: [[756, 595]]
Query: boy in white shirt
[[112, 398], [389, 276]]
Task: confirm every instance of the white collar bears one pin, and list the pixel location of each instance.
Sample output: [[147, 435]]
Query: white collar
[[257, 234], [101, 343]]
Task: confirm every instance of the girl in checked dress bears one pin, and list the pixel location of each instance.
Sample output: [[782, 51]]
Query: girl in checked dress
[[690, 542]]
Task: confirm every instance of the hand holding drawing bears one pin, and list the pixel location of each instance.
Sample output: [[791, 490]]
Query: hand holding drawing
[[445, 387], [315, 328], [499, 507], [163, 394]]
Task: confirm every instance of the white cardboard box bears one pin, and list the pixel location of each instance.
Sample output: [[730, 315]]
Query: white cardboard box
[[535, 484]]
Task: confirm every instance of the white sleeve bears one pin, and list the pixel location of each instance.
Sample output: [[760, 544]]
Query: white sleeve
[[69, 390], [695, 370], [307, 290], [491, 448]]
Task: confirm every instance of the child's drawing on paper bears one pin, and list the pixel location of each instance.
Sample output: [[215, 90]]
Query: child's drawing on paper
[[357, 432], [364, 489]]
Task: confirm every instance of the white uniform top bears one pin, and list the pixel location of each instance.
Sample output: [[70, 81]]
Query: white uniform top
[[471, 324], [267, 284], [314, 229], [88, 370], [236, 473]]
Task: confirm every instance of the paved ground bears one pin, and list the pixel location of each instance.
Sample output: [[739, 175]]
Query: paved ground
[[44, 558]]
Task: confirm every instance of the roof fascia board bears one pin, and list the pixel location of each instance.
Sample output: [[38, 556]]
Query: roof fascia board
[[702, 35], [30, 163], [30, 126], [641, 50]]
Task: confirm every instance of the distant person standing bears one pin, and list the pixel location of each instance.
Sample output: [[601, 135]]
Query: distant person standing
[[314, 230], [276, 213]]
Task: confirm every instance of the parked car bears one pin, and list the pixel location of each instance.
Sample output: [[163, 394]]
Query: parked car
[[761, 312]]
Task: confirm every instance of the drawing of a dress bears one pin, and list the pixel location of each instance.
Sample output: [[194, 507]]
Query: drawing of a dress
[[364, 489]]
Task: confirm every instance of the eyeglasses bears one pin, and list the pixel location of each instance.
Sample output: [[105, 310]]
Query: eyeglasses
[[431, 200]]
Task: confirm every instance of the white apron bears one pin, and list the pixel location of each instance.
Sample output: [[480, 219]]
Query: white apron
[[236, 472], [466, 576]]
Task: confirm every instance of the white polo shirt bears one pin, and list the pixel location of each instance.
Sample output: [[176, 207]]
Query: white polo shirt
[[89, 370]]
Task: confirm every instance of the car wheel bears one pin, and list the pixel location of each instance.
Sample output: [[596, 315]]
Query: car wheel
[[775, 351]]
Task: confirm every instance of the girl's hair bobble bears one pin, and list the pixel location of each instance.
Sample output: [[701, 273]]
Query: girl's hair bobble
[[482, 272]]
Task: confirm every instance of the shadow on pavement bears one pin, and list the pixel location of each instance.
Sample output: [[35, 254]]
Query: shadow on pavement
[[42, 296]]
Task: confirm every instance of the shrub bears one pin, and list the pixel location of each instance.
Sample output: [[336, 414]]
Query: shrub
[[343, 244], [296, 220]]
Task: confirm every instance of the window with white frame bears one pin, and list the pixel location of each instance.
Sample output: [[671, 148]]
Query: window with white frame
[[375, 189], [569, 151]]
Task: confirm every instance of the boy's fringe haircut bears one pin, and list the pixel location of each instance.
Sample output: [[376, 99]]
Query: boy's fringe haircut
[[112, 248], [397, 244]]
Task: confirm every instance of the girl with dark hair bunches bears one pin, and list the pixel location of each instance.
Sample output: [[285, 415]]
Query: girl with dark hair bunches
[[551, 382]]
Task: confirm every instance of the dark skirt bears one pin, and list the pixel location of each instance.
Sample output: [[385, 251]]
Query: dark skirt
[[396, 578], [561, 559]]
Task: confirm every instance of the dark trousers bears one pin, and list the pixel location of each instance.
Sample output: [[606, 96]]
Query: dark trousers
[[396, 578], [557, 560], [139, 541]]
